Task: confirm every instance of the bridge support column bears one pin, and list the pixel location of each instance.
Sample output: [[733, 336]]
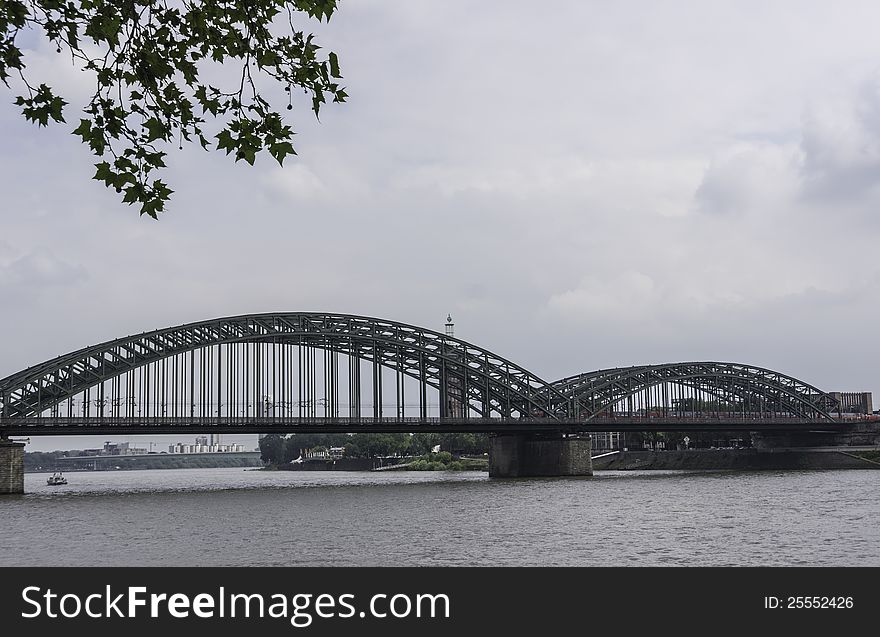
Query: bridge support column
[[11, 467], [521, 456]]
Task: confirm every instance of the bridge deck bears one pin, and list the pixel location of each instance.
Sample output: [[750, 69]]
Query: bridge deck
[[282, 425]]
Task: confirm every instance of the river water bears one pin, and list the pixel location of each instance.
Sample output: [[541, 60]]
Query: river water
[[236, 517]]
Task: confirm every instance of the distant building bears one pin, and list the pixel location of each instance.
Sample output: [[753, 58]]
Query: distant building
[[115, 449], [854, 402], [201, 446]]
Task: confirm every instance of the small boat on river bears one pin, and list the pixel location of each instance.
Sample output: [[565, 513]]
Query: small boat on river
[[56, 479]]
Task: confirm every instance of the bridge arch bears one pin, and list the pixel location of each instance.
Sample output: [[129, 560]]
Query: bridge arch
[[233, 352], [730, 387]]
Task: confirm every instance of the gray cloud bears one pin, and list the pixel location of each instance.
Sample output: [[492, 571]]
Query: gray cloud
[[40, 269], [747, 177], [841, 144], [37, 279]]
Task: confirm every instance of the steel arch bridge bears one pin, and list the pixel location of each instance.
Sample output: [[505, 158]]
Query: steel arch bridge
[[327, 372], [728, 388]]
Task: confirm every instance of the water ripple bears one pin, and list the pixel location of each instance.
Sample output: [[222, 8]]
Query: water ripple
[[231, 517]]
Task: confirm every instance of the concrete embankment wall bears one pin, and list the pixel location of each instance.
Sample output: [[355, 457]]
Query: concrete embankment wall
[[857, 434], [744, 459]]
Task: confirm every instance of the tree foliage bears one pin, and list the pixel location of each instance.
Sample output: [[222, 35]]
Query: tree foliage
[[282, 449], [150, 59], [272, 448]]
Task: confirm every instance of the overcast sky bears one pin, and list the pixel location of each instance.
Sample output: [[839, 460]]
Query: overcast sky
[[582, 185]]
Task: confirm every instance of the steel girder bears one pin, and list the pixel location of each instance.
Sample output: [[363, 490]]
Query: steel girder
[[495, 384], [595, 392]]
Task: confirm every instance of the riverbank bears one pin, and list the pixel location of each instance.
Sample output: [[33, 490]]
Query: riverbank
[[739, 459], [431, 462], [332, 464], [143, 462], [422, 464]]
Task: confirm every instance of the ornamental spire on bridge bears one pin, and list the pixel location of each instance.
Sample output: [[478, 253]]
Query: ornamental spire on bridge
[[454, 402]]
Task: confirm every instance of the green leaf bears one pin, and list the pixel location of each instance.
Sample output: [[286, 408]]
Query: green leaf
[[97, 143], [84, 129], [225, 141], [334, 64], [132, 194], [42, 105], [104, 173], [155, 129], [281, 150]]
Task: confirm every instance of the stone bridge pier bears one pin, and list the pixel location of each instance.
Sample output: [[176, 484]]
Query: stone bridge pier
[[11, 467], [524, 455]]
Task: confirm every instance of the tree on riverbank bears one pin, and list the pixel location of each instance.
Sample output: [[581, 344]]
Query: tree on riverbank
[[272, 449]]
